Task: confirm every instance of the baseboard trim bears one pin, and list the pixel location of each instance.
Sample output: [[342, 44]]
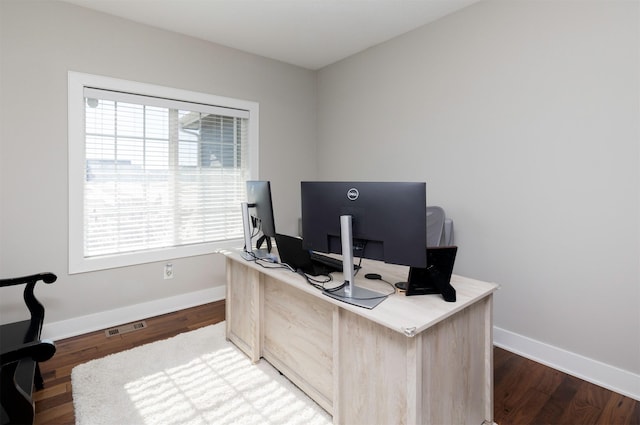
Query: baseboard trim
[[621, 381], [107, 319]]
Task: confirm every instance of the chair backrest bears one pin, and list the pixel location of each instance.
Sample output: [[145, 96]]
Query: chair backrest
[[448, 232], [435, 226]]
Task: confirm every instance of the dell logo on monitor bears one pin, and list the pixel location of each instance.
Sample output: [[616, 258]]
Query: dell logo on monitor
[[353, 194]]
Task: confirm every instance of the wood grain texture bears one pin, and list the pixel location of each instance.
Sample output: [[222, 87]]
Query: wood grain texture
[[455, 388], [527, 392], [397, 312], [298, 339], [243, 321], [514, 376], [409, 360], [372, 373]]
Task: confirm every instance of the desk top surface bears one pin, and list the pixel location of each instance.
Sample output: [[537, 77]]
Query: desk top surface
[[409, 315]]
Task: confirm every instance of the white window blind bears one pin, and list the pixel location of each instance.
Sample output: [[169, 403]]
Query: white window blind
[[159, 174]]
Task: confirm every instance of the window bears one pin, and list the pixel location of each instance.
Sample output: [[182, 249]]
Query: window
[[154, 173]]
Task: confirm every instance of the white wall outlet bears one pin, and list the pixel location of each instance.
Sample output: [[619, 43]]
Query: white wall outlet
[[168, 271]]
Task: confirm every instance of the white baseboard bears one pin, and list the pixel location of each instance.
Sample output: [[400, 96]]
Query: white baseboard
[[106, 319], [621, 381]]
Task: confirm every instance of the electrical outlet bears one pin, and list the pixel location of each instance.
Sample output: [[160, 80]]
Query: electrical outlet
[[168, 271]]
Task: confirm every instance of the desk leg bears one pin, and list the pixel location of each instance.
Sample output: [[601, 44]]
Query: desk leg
[[243, 309], [371, 366], [457, 378], [488, 358], [414, 379]]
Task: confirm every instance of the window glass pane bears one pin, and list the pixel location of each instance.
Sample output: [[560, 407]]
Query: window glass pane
[[129, 119], [100, 116], [160, 177], [157, 123], [188, 154]]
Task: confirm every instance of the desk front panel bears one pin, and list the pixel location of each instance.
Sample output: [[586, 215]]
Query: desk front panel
[[298, 339]]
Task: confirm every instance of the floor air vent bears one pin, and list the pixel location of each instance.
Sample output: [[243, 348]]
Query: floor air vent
[[130, 327]]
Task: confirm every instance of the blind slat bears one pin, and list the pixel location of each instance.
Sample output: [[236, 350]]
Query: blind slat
[[161, 173]]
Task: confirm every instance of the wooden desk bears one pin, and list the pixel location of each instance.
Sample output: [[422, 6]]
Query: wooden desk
[[410, 360]]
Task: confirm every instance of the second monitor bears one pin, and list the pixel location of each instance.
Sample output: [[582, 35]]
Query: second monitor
[[257, 216]]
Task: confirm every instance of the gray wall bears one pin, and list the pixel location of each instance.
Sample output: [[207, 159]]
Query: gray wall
[[41, 41], [523, 118]]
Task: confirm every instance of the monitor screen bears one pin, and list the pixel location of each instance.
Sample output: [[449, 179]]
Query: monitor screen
[[260, 207], [388, 219], [257, 216]]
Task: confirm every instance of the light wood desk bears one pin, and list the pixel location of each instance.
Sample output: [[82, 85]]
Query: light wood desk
[[410, 360]]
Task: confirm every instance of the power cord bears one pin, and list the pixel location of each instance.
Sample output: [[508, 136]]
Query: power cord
[[376, 276]]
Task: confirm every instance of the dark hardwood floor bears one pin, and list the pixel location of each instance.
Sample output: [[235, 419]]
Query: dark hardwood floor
[[526, 392]]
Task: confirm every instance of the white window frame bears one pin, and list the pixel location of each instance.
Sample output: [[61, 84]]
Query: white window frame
[[78, 263]]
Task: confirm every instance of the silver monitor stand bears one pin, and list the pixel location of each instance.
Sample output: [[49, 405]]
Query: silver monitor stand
[[351, 293]]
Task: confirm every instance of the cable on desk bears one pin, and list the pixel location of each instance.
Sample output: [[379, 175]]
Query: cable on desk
[[337, 288], [393, 288], [269, 264], [359, 247], [376, 276], [318, 284]]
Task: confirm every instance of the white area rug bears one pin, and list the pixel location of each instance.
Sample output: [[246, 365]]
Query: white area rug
[[194, 378]]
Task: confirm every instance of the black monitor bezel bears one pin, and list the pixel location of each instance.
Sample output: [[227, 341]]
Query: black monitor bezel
[[260, 205]]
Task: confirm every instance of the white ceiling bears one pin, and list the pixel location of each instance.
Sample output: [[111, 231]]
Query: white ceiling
[[307, 33]]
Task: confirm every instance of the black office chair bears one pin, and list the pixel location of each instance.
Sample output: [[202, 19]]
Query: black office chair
[[20, 351]]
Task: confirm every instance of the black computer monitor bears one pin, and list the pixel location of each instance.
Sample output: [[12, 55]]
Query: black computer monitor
[[386, 221], [259, 216]]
